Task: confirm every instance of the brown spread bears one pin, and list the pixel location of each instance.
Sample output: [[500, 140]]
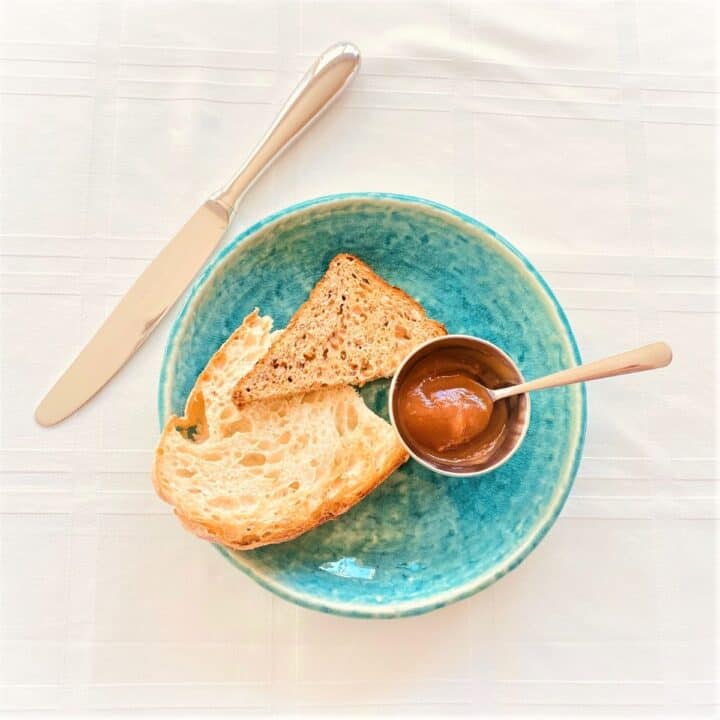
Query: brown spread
[[444, 410]]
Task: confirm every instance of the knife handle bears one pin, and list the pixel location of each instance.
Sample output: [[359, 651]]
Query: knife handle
[[322, 83]]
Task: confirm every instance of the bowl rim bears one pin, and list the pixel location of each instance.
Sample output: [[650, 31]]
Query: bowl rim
[[538, 531]]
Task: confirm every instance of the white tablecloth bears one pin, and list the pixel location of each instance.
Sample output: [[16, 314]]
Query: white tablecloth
[[582, 131]]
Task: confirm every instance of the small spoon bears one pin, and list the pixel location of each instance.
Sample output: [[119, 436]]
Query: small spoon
[[648, 357]]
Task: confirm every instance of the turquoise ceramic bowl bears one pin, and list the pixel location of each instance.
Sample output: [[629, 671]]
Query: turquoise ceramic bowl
[[421, 540]]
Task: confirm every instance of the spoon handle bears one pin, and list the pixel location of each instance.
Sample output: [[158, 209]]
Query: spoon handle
[[648, 357]]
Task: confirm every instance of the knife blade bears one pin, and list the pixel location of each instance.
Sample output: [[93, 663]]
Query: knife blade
[[169, 274], [136, 315]]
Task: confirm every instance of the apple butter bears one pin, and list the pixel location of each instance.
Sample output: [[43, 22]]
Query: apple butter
[[444, 409]]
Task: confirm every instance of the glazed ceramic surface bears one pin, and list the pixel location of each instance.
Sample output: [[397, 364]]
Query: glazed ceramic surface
[[421, 540]]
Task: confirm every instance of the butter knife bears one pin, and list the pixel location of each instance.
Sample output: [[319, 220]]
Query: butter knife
[[165, 279]]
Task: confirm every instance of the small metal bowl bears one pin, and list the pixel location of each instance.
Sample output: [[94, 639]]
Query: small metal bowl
[[518, 407]]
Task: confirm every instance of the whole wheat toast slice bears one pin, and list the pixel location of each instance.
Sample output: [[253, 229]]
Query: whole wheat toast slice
[[354, 327], [273, 469]]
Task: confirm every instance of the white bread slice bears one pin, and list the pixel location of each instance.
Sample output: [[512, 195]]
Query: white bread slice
[[273, 469], [354, 327]]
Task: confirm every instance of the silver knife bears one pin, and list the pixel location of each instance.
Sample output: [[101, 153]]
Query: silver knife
[[165, 279]]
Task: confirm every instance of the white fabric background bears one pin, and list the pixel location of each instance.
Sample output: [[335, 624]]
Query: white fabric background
[[583, 131]]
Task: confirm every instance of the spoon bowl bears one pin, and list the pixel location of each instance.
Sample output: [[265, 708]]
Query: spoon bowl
[[518, 406]]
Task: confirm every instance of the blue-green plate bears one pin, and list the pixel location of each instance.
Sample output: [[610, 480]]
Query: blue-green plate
[[421, 540]]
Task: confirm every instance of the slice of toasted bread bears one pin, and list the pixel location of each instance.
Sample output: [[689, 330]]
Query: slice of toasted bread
[[271, 470], [354, 327]]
